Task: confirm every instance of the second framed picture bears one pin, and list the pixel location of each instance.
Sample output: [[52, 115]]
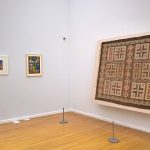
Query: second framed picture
[[34, 65], [3, 65]]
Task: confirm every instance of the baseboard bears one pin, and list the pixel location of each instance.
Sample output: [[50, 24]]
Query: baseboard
[[17, 119], [110, 120]]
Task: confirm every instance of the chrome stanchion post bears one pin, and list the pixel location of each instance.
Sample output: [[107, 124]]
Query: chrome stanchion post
[[113, 139], [63, 121]]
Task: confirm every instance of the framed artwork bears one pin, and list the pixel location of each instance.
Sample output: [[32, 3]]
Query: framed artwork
[[123, 73], [34, 65], [3, 64]]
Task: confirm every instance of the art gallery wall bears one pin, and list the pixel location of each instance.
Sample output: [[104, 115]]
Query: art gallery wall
[[33, 26], [97, 20]]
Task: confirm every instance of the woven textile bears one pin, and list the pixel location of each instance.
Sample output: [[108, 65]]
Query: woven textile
[[124, 72]]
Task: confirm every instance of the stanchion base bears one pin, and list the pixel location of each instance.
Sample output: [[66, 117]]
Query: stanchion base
[[63, 122], [113, 140]]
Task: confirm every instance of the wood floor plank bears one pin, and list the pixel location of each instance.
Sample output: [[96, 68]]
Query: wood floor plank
[[81, 133]]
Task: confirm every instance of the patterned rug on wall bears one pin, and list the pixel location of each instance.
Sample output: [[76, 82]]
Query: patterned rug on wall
[[124, 72]]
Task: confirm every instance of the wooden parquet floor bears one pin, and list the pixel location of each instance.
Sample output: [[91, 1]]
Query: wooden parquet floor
[[81, 133]]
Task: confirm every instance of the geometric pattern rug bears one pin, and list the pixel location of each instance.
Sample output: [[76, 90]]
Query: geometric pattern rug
[[124, 72]]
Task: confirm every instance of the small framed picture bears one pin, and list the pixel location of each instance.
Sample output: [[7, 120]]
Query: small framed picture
[[34, 65], [3, 64]]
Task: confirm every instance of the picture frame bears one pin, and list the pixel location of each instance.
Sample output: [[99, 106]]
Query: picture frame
[[132, 103], [33, 65], [3, 64]]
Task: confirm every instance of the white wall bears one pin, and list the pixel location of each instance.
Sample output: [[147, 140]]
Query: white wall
[[33, 26], [92, 20]]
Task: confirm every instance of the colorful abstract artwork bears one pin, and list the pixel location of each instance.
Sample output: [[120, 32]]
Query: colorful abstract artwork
[[3, 64], [124, 72], [34, 65]]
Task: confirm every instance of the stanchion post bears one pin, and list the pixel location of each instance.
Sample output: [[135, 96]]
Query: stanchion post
[[113, 139], [63, 121]]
